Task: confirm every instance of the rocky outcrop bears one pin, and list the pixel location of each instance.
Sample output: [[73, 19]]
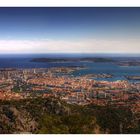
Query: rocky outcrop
[[13, 120]]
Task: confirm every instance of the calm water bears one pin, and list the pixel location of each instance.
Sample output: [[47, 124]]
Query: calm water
[[23, 61], [118, 72]]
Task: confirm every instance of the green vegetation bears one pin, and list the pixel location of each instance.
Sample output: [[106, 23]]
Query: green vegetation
[[52, 116], [16, 89]]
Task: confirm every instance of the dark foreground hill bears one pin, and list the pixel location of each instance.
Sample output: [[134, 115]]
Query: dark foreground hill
[[52, 116]]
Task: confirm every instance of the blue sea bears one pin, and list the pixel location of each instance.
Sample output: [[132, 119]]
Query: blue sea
[[24, 61]]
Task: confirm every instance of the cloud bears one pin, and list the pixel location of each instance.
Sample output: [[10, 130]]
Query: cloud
[[63, 46]]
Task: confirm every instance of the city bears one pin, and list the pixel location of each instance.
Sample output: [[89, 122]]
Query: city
[[18, 84]]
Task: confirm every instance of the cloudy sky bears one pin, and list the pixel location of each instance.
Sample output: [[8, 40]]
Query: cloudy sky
[[69, 30]]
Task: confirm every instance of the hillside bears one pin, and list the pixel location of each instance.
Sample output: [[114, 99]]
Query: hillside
[[52, 116]]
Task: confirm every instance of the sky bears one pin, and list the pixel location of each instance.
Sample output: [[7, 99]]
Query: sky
[[69, 30]]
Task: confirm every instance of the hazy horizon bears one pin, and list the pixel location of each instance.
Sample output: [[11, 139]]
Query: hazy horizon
[[69, 30], [57, 55]]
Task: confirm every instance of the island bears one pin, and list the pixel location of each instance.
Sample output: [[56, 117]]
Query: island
[[135, 77], [129, 63], [88, 59]]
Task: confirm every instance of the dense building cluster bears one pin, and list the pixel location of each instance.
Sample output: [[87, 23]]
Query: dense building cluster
[[59, 82]]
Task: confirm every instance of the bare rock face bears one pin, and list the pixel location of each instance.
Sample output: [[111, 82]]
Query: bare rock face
[[13, 120]]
